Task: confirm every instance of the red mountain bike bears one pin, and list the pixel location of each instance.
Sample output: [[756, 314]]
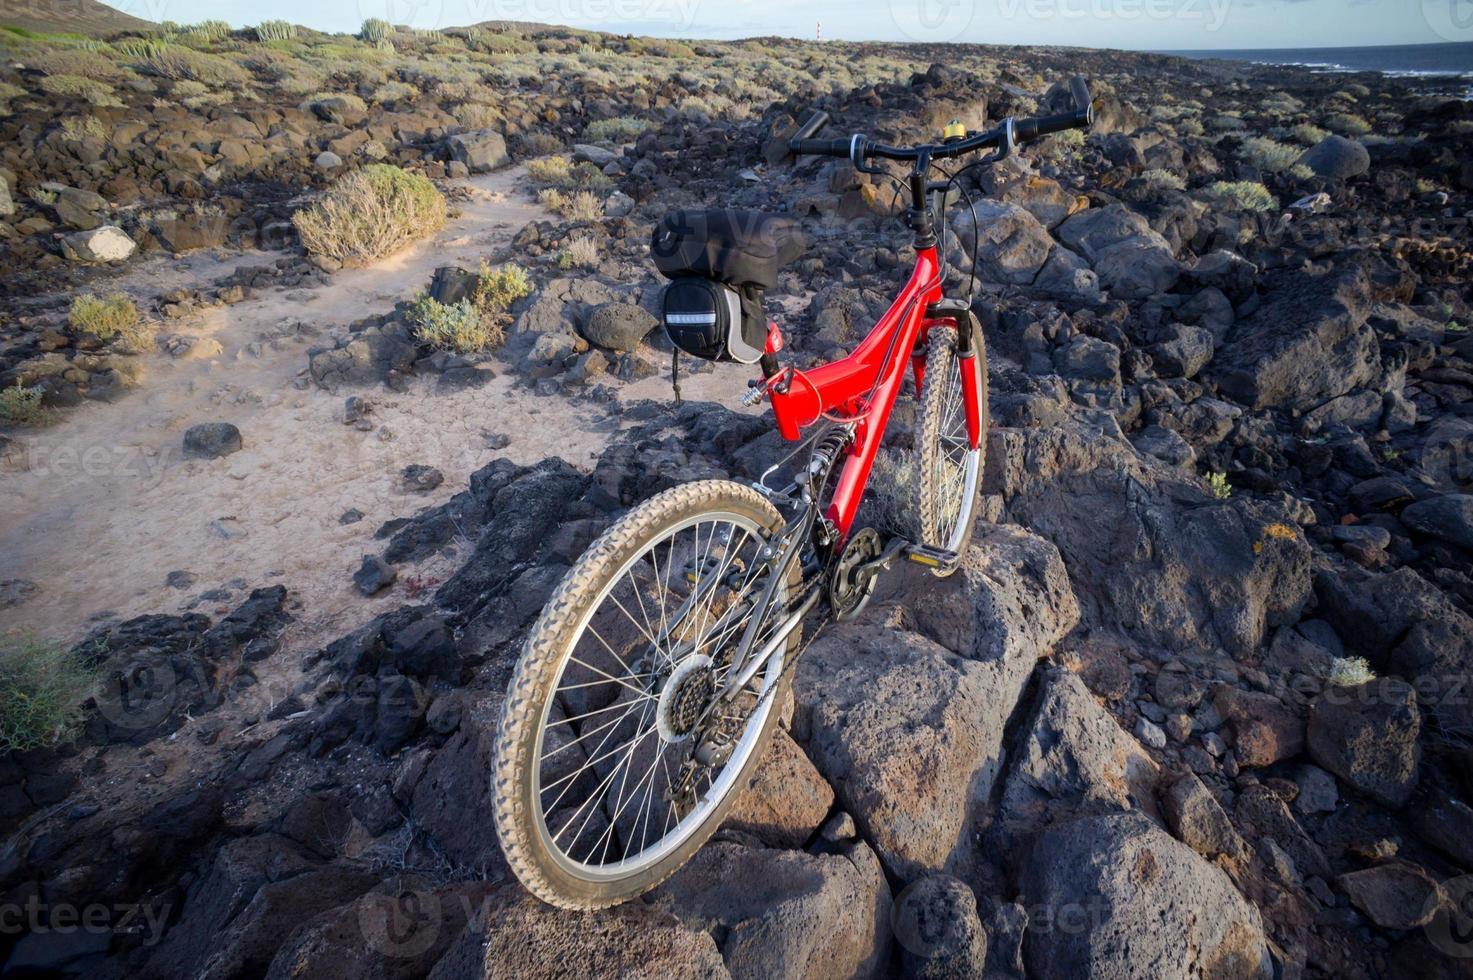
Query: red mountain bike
[[649, 685]]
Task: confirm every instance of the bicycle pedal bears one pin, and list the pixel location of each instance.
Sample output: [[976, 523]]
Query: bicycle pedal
[[929, 557]]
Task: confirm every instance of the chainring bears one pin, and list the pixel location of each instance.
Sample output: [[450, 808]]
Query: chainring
[[850, 589]]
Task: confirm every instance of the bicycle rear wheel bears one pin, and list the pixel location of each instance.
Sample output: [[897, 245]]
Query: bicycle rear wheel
[[948, 469], [612, 766]]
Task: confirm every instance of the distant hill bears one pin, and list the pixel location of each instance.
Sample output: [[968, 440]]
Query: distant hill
[[69, 17]]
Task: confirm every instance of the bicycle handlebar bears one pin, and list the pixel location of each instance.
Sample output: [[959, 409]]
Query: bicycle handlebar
[[1010, 131]]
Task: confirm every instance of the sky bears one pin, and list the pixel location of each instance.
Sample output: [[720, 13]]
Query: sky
[[1133, 24]]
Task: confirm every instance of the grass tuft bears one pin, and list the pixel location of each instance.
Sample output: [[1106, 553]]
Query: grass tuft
[[371, 213], [1245, 195], [42, 688], [20, 405]]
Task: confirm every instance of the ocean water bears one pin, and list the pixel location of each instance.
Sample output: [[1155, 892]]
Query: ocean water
[[1406, 60]]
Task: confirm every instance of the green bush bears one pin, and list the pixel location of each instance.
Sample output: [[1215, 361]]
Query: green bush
[[615, 130], [275, 30], [42, 688], [1269, 155], [1347, 124], [1162, 180], [78, 87], [211, 30], [175, 62], [395, 92], [104, 318], [376, 31], [95, 65], [1245, 195], [371, 213], [75, 129], [497, 290], [460, 327], [20, 405], [1309, 134]]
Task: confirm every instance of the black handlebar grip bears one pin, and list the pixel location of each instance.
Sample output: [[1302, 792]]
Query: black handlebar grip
[[814, 123], [1028, 129], [820, 148]]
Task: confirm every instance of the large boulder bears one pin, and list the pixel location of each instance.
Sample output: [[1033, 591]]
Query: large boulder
[[780, 913], [1337, 158], [1132, 260], [1012, 246], [1367, 735], [1116, 897], [618, 326], [1072, 759], [107, 243], [1448, 518], [1404, 625], [938, 930], [527, 938], [910, 737], [786, 799], [1148, 552], [481, 151], [1307, 343]]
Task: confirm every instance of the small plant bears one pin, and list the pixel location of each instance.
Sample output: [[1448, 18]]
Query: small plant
[[615, 130], [476, 115], [212, 30], [540, 144], [174, 62], [550, 171], [348, 99], [1217, 484], [1347, 124], [42, 196], [395, 92], [371, 213], [1309, 134], [20, 405], [1268, 155], [1453, 326], [1245, 195], [580, 253], [75, 129], [42, 688], [1301, 171], [77, 87], [275, 30], [581, 206], [376, 31], [1348, 672], [497, 290], [460, 327], [104, 318], [1162, 180]]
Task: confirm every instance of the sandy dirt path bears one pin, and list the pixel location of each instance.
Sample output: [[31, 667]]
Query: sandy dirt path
[[99, 508]]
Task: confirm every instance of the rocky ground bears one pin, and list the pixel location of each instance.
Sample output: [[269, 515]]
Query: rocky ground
[[1196, 704]]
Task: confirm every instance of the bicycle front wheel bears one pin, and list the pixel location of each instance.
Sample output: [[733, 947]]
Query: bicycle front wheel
[[948, 469], [614, 761]]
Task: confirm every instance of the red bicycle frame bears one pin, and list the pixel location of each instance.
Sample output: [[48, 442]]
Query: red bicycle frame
[[862, 387]]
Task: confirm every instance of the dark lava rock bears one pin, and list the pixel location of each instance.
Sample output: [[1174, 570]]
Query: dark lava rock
[[351, 516], [1336, 158], [374, 575], [939, 932], [421, 478], [179, 579], [1448, 518], [17, 590], [1367, 735], [619, 326], [211, 440]]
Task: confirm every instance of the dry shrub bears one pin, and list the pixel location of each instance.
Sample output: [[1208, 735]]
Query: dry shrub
[[42, 688], [371, 213]]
